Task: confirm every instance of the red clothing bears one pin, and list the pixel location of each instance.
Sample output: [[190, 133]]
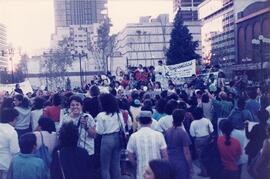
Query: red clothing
[[137, 75], [124, 83], [52, 112], [229, 153]]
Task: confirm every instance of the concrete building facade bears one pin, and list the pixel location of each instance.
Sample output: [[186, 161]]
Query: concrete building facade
[[188, 9], [218, 20], [252, 24], [79, 12], [3, 48], [146, 42]]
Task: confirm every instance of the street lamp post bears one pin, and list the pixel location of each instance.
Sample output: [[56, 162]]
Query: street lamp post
[[11, 53], [261, 39], [80, 54]]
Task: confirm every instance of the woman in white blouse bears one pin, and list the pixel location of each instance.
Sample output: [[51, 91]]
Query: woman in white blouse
[[109, 122], [84, 122], [46, 130]]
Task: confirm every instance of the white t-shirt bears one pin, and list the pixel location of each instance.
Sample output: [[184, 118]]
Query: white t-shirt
[[35, 115], [201, 128], [164, 123], [146, 144], [107, 123], [9, 145]]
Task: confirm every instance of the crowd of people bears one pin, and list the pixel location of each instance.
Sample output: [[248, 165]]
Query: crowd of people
[[135, 125]]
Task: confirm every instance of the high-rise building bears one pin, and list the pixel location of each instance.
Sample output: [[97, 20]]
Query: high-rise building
[[188, 8], [218, 19], [79, 12], [3, 47]]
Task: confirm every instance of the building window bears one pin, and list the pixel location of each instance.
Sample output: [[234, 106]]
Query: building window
[[257, 30], [266, 27], [241, 44]]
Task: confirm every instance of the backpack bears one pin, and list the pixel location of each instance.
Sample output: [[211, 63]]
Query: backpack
[[43, 153]]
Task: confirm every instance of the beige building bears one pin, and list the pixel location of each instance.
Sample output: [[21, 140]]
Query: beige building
[[3, 48], [146, 42]]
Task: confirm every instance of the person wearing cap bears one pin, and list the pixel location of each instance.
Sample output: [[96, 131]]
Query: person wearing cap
[[146, 144]]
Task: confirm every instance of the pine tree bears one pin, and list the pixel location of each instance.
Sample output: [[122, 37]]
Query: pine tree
[[182, 47]]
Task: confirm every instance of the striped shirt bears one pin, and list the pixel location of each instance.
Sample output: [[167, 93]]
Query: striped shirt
[[146, 144]]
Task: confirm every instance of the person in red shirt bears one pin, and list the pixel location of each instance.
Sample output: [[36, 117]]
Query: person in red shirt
[[53, 112], [125, 81], [229, 150]]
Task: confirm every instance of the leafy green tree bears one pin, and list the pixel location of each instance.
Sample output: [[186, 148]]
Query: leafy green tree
[[182, 47]]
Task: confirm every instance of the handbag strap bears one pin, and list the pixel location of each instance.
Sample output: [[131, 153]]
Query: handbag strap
[[60, 164], [42, 141], [120, 123]]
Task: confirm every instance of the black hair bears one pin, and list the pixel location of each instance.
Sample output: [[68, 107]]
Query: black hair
[[24, 101], [263, 115], [170, 106], [108, 103], [193, 101], [148, 102], [8, 115], [160, 105], [124, 104], [205, 98], [27, 142], [198, 113], [68, 135], [7, 103], [241, 103], [182, 105], [164, 94], [173, 96], [162, 169], [56, 99], [226, 128], [38, 103], [75, 98], [147, 108], [252, 94], [145, 120], [178, 117], [46, 124], [135, 95], [113, 91]]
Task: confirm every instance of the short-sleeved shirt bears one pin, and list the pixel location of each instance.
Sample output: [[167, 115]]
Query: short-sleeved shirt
[[165, 123], [109, 123], [176, 139], [230, 154], [201, 128], [9, 145], [85, 141], [146, 144]]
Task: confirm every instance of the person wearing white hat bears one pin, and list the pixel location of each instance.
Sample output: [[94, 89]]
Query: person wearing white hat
[[146, 144]]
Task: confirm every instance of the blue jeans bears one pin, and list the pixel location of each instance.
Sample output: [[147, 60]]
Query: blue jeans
[[200, 144], [110, 156], [3, 174]]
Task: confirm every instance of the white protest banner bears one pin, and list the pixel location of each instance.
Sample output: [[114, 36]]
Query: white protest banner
[[181, 70], [25, 86]]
